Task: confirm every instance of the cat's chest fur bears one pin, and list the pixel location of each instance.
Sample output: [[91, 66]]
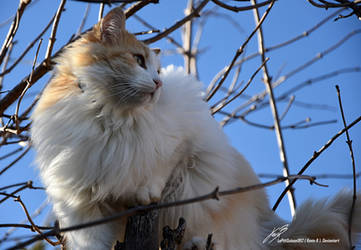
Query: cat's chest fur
[[95, 149]]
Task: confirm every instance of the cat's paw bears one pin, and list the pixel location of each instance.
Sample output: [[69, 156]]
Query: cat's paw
[[198, 243], [148, 194], [144, 195]]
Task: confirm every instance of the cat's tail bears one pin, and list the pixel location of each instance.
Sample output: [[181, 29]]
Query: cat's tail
[[319, 224]]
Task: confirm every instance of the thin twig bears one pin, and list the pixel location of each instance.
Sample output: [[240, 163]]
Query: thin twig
[[296, 125], [231, 89], [195, 13], [342, 3], [107, 1], [25, 226], [13, 29], [146, 32], [329, 5], [52, 38], [243, 8], [36, 213], [6, 21], [216, 109], [169, 38], [310, 81], [319, 176], [7, 57], [8, 70], [259, 97], [83, 20], [137, 6], [284, 96], [225, 16], [34, 227], [238, 53], [14, 93], [29, 184], [15, 161], [277, 46], [316, 58], [285, 112], [316, 154], [10, 154], [7, 195], [349, 143], [14, 185], [308, 125], [307, 32], [16, 118]]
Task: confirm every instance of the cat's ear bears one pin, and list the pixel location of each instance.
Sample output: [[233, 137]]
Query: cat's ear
[[112, 25]]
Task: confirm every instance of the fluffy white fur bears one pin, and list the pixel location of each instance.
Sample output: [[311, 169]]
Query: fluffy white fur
[[90, 160], [96, 158]]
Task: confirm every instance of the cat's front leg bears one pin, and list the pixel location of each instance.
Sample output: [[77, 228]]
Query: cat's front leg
[[101, 237]]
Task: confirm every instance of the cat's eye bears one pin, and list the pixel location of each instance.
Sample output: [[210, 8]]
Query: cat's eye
[[140, 60]]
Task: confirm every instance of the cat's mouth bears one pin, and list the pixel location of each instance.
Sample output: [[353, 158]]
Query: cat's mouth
[[134, 97], [154, 95]]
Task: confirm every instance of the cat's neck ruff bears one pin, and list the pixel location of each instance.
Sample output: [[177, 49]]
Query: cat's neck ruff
[[82, 133]]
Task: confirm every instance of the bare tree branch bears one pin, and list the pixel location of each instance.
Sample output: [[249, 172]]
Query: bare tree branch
[[8, 70], [16, 117], [278, 46], [7, 57], [223, 104], [33, 225], [83, 20], [53, 32], [237, 9], [319, 176], [137, 6], [238, 53], [267, 80], [13, 29], [259, 97], [108, 1], [187, 35], [195, 13], [15, 161], [354, 5], [316, 154], [349, 143]]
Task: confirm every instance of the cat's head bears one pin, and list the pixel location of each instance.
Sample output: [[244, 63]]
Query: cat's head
[[110, 66]]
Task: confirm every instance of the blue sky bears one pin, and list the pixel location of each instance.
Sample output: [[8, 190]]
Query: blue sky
[[220, 40]]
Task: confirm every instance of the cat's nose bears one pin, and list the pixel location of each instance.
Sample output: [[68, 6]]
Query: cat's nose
[[158, 83]]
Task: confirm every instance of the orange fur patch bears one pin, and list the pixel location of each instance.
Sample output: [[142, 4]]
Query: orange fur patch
[[60, 87], [88, 50]]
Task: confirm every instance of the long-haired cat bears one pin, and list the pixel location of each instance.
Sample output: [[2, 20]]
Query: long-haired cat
[[111, 131]]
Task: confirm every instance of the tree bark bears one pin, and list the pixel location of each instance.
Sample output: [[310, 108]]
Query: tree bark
[[141, 232]]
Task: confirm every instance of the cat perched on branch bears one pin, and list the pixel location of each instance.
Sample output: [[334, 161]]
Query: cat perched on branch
[[113, 130]]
